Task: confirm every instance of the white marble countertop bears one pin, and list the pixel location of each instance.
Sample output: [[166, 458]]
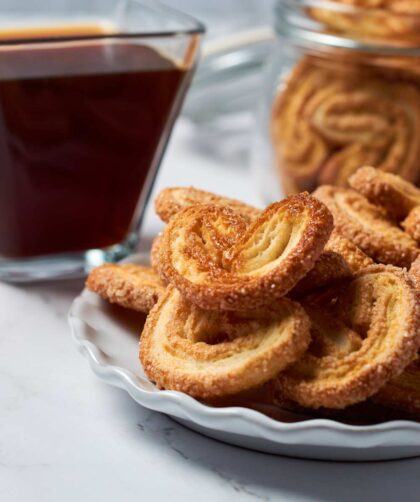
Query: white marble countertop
[[66, 436]]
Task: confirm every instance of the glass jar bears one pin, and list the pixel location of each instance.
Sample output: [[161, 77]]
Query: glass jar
[[342, 90]]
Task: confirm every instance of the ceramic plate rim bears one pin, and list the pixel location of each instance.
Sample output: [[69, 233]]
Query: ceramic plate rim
[[199, 412]]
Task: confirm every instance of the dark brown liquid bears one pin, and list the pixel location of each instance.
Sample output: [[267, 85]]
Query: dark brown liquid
[[75, 148]]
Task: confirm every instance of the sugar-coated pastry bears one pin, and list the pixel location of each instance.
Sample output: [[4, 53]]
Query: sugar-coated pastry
[[330, 118], [390, 191], [372, 19], [368, 226], [403, 392], [412, 224], [172, 200], [415, 272], [351, 359], [208, 354], [128, 285], [217, 262]]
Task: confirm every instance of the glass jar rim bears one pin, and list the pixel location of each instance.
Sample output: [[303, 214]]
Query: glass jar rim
[[292, 20], [338, 6]]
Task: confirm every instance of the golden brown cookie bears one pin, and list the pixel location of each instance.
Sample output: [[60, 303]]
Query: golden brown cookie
[[403, 392], [350, 361], [388, 190], [339, 260], [412, 224], [218, 262], [330, 268], [172, 200], [330, 119], [395, 20], [128, 285], [154, 252], [209, 354], [355, 258], [415, 273], [368, 226]]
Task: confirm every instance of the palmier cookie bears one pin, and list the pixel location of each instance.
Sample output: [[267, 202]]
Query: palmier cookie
[[209, 354], [368, 227], [267, 260], [330, 119], [128, 285], [154, 252], [355, 258], [415, 273], [340, 259], [329, 267], [358, 369], [412, 224], [172, 200], [372, 19], [390, 191], [403, 392]]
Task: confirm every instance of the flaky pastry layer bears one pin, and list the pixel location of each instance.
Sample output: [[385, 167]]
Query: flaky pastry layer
[[403, 392], [331, 118], [218, 262], [412, 224], [397, 20], [390, 191], [209, 354], [128, 285], [368, 226], [171, 201], [370, 334], [355, 258], [415, 273], [331, 265]]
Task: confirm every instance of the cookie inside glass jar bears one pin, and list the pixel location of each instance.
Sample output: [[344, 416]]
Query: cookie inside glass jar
[[340, 97]]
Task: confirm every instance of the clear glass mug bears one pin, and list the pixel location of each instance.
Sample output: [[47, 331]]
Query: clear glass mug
[[89, 92], [341, 90]]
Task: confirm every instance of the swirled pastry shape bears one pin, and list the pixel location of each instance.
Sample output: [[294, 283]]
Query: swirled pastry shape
[[403, 392], [372, 19], [154, 252], [368, 226], [390, 191], [379, 339], [208, 354], [340, 259], [128, 285], [218, 262], [412, 224], [171, 201], [415, 273], [354, 257], [330, 267], [330, 120]]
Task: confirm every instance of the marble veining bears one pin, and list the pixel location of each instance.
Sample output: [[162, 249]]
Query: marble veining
[[173, 437]]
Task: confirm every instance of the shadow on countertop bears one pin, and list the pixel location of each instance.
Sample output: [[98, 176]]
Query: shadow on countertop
[[259, 476]]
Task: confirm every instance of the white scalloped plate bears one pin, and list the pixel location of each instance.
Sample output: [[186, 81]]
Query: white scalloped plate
[[108, 337]]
